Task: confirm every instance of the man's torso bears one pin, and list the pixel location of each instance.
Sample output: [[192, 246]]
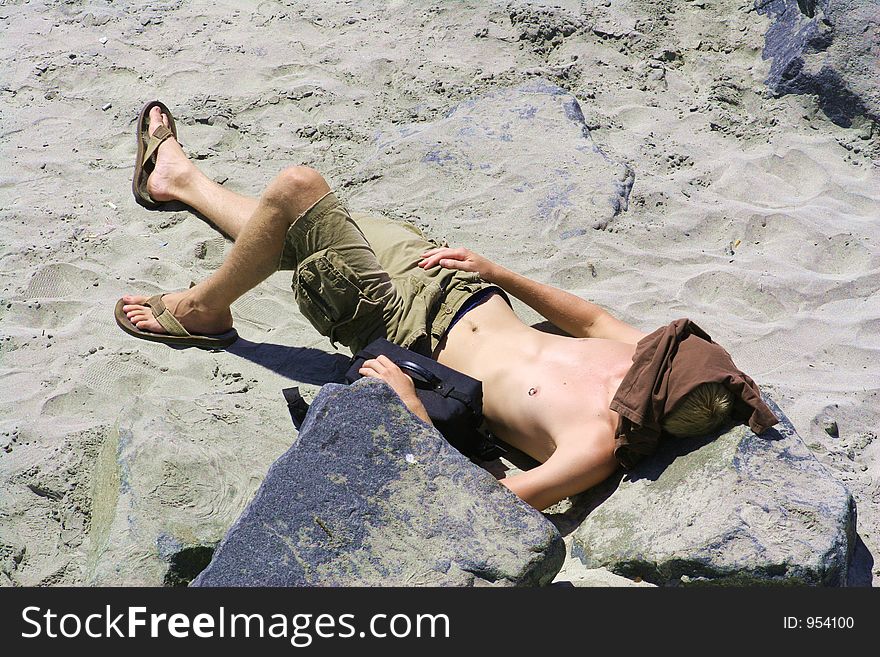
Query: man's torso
[[538, 388]]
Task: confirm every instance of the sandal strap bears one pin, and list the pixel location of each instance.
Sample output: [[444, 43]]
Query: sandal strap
[[165, 318], [161, 134]]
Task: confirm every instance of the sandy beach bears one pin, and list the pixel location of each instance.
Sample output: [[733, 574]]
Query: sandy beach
[[754, 215]]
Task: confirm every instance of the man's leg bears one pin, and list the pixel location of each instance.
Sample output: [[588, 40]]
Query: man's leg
[[176, 178], [259, 238]]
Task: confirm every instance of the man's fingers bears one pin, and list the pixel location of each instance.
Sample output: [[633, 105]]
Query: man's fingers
[[373, 365], [442, 257], [431, 256], [449, 263], [389, 365], [441, 251], [373, 374], [381, 364], [431, 261]]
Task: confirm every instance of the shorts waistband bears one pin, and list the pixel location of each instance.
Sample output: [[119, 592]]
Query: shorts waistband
[[454, 300]]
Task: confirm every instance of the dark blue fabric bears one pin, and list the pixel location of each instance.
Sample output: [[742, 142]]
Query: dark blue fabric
[[475, 300]]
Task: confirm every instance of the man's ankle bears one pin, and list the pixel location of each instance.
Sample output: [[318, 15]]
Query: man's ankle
[[204, 300]]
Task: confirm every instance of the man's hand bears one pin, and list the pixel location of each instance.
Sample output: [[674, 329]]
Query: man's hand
[[384, 368], [459, 258]]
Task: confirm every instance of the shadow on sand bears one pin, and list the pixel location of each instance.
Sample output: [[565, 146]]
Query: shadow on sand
[[302, 364], [861, 565]]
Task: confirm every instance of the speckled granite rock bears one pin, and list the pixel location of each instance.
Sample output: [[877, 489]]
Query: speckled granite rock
[[483, 150], [740, 509], [371, 496], [829, 49]]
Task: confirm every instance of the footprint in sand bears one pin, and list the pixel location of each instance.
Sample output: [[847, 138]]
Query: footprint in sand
[[59, 281]]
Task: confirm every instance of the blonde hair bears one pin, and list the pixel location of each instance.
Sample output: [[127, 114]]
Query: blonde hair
[[705, 408]]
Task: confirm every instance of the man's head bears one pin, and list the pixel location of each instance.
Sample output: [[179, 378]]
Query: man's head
[[703, 410]]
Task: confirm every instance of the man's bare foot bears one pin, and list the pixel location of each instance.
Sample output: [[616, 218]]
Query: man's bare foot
[[194, 317], [173, 170]]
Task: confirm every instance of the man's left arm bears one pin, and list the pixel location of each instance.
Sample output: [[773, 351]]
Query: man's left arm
[[576, 316]]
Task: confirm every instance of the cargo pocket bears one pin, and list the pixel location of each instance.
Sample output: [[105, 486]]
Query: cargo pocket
[[328, 296]]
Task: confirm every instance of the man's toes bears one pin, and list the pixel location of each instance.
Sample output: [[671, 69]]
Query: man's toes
[[139, 315], [148, 324], [131, 311], [156, 119]]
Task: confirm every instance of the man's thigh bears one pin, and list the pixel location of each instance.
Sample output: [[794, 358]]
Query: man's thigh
[[339, 284], [397, 245]]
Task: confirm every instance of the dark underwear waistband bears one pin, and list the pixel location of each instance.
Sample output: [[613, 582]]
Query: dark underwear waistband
[[475, 300]]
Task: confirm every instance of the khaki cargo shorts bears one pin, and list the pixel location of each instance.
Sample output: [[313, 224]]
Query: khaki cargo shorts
[[356, 278]]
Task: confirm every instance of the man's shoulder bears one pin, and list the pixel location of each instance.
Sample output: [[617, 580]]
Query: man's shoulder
[[594, 432]]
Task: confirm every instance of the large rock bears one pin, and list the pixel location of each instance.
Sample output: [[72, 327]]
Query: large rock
[[164, 493], [829, 49], [741, 510], [371, 496], [482, 155]]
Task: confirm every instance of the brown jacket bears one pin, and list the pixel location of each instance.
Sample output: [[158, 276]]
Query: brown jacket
[[667, 365]]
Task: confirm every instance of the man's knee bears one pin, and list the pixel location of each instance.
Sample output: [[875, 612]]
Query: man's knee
[[297, 188], [300, 178]]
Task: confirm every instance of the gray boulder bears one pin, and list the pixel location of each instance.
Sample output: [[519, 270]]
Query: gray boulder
[[369, 495], [164, 491], [482, 155], [828, 49], [737, 510]]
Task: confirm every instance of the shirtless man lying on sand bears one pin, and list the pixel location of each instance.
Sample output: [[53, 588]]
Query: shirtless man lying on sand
[[359, 277]]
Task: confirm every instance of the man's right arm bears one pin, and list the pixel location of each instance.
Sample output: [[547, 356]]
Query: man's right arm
[[577, 317], [582, 463]]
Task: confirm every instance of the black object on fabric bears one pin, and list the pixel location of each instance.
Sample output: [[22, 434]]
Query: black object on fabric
[[454, 401], [296, 405]]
